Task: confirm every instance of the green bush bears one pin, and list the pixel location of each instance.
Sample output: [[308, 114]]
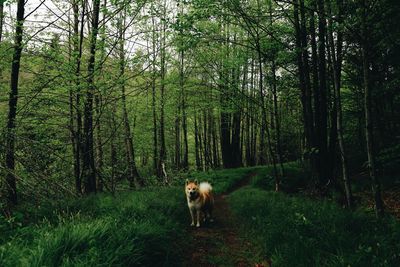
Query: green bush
[[222, 180], [295, 231], [132, 229], [295, 177]]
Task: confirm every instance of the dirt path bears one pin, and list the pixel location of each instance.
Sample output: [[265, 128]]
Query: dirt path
[[217, 243]]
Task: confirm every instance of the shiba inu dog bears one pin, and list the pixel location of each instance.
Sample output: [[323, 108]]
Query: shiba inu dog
[[199, 200]]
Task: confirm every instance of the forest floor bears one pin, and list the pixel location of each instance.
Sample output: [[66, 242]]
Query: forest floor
[[390, 197], [218, 243]]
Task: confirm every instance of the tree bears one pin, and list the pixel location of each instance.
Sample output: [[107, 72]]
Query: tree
[[133, 175], [12, 107], [369, 134], [89, 170]]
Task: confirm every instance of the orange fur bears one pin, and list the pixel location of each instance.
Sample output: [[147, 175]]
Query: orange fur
[[200, 200]]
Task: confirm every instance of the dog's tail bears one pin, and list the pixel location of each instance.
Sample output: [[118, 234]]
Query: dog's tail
[[205, 187]]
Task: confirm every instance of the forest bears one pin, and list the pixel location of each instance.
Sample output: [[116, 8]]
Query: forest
[[290, 109]]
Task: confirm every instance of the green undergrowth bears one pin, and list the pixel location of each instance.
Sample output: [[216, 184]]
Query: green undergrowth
[[142, 228], [222, 180], [225, 180], [297, 231], [295, 177], [149, 227]]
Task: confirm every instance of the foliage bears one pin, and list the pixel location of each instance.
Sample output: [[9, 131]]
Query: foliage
[[222, 180], [295, 231], [130, 229]]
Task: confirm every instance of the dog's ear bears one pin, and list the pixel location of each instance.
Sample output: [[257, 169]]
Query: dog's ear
[[196, 182], [187, 181]]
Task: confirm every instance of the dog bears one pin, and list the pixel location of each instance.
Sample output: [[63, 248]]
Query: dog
[[200, 200]]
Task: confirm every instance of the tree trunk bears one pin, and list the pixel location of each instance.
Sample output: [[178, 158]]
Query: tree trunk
[[323, 124], [336, 55], [337, 78], [369, 134], [77, 47], [1, 19], [99, 145], [262, 153], [89, 171], [303, 72], [12, 108], [185, 162], [316, 95], [163, 153], [196, 143], [277, 122], [177, 139], [98, 106], [113, 150], [133, 174], [153, 96]]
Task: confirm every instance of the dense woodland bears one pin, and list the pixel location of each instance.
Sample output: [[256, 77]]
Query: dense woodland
[[289, 108], [97, 95]]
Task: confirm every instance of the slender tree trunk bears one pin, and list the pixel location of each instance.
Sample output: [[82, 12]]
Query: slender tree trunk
[[201, 145], [1, 20], [133, 175], [99, 144], [185, 162], [322, 135], [278, 146], [337, 83], [306, 78], [336, 55], [277, 122], [113, 150], [153, 96], [71, 100], [214, 143], [250, 151], [77, 47], [163, 153], [98, 107], [225, 118], [1, 33], [332, 144], [89, 170], [262, 157], [197, 143], [369, 134], [303, 69], [12, 108], [178, 138], [316, 95]]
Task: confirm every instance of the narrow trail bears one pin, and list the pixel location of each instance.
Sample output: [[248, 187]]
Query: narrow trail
[[217, 243]]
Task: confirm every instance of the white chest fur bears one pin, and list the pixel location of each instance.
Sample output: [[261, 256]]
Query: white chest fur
[[194, 204]]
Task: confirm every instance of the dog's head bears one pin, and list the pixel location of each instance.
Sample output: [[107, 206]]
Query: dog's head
[[192, 189]]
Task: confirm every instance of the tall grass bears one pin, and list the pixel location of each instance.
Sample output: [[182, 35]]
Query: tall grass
[[149, 227], [141, 228], [295, 231], [222, 180]]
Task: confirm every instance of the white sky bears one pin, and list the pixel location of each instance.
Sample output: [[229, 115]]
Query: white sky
[[44, 18]]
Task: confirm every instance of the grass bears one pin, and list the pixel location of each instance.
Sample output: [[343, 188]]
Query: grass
[[222, 180], [298, 231], [133, 229], [295, 177], [139, 228], [149, 227]]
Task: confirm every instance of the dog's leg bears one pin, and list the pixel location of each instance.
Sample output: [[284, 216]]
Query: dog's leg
[[192, 215], [198, 218], [209, 215], [210, 218]]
